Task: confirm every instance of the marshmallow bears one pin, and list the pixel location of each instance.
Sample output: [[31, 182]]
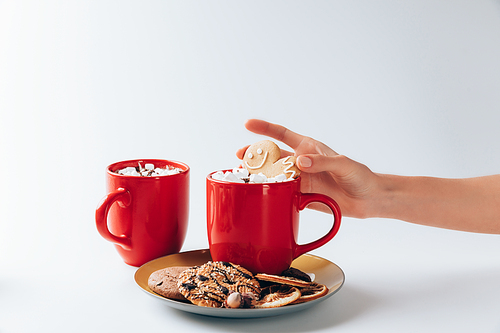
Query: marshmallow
[[168, 172], [241, 173], [134, 173], [219, 175], [127, 170], [231, 177], [280, 178], [238, 175], [148, 171], [257, 178]]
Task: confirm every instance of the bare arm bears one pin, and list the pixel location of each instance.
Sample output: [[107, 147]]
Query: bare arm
[[471, 204]]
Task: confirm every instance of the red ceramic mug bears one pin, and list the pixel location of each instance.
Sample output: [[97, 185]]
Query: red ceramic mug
[[256, 225], [145, 217]]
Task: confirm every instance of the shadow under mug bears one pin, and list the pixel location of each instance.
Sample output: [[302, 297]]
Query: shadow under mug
[[145, 217], [256, 225]]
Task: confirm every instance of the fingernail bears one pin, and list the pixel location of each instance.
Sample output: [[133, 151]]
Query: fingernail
[[304, 161]]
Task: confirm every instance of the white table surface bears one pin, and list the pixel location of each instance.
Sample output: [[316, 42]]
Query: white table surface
[[408, 88]]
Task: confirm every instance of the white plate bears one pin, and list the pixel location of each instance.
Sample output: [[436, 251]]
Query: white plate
[[325, 272]]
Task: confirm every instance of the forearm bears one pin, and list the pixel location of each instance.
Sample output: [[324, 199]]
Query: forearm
[[471, 204]]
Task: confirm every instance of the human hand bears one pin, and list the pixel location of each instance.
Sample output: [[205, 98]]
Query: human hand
[[324, 171]]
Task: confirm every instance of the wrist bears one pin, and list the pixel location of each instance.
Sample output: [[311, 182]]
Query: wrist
[[387, 190]]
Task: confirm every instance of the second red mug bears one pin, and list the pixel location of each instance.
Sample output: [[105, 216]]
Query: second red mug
[[145, 217]]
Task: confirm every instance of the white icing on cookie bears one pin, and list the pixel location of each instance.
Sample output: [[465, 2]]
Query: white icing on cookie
[[288, 164], [257, 166]]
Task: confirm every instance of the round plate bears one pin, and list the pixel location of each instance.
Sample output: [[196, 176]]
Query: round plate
[[325, 272]]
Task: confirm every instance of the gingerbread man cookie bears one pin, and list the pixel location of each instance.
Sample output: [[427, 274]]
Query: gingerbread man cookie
[[264, 157]]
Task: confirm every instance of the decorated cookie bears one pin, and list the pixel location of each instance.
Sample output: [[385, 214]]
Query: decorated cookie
[[164, 282], [264, 157], [210, 284]]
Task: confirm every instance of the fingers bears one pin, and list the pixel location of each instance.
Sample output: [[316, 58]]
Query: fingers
[[241, 152], [275, 131], [313, 163]]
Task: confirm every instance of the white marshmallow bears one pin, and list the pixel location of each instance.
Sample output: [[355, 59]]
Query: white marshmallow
[[127, 170], [241, 173], [170, 171], [219, 175], [149, 169], [231, 177], [263, 176], [257, 178], [238, 175], [280, 178]]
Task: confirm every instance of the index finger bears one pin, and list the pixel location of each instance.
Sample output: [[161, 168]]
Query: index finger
[[275, 131]]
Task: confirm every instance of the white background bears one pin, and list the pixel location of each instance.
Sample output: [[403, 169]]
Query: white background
[[406, 87]]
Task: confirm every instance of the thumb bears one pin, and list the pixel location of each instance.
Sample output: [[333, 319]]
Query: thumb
[[339, 165]]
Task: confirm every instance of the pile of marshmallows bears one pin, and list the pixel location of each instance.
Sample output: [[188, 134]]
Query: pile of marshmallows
[[148, 170], [238, 175]]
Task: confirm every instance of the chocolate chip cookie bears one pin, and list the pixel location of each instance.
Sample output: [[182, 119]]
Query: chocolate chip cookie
[[164, 282]]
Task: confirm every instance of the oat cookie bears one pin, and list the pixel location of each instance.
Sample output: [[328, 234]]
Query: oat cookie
[[264, 156], [209, 284], [164, 282]]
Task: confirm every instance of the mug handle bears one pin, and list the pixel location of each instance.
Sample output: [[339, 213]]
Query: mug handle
[[101, 217], [304, 200]]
